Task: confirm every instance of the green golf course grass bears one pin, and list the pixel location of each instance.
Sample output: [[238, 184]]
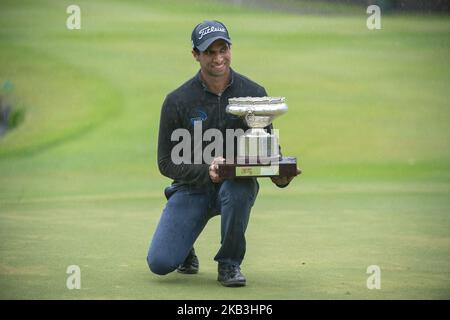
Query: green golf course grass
[[368, 119]]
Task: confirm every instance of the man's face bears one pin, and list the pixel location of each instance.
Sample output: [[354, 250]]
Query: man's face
[[215, 61]]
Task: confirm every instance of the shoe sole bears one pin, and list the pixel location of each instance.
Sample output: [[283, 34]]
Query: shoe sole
[[233, 284], [187, 271]]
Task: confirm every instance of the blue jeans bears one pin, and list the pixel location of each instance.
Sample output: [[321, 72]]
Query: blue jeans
[[187, 211]]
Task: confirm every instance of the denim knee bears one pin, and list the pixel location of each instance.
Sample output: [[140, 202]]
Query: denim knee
[[159, 265]]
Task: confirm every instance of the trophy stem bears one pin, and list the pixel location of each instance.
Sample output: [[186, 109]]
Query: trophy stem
[[260, 132], [257, 146]]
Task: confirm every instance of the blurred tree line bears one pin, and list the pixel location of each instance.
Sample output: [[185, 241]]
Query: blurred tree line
[[421, 6], [407, 5]]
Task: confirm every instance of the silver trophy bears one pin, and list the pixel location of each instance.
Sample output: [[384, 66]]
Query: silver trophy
[[258, 150]]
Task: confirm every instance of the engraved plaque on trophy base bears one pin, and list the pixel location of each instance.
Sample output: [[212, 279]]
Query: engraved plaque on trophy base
[[286, 167]]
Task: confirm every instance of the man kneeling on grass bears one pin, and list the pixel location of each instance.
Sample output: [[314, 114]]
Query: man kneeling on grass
[[197, 193]]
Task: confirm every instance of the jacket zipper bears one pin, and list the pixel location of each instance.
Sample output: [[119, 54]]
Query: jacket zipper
[[220, 109]]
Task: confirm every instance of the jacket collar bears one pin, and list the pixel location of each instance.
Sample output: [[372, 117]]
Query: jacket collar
[[203, 85]]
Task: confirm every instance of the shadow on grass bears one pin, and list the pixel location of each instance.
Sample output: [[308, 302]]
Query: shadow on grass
[[186, 280]]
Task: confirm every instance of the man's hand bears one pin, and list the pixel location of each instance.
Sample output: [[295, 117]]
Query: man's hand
[[284, 181], [214, 169]]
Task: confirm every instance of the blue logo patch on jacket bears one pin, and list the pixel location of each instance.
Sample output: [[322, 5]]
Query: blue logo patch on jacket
[[202, 116]]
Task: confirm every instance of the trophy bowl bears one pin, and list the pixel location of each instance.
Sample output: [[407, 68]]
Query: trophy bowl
[[258, 112]]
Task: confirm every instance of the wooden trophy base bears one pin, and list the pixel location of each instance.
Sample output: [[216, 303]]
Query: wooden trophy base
[[286, 167]]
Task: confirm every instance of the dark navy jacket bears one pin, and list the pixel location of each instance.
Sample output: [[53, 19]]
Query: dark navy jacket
[[194, 102]]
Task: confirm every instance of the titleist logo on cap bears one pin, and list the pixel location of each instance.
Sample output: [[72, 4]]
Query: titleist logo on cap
[[207, 30]]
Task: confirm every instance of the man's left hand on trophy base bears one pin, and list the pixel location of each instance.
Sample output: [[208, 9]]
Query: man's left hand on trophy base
[[284, 181]]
